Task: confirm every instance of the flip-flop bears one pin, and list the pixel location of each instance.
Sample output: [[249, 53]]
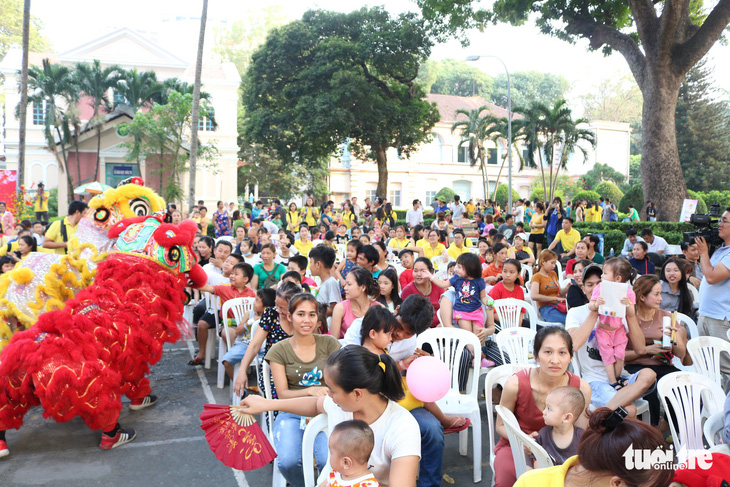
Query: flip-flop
[[457, 425], [196, 361]]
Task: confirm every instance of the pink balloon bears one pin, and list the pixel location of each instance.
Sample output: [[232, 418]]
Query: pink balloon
[[428, 379]]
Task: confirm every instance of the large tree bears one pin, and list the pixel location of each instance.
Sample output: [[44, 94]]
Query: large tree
[[529, 87], [330, 78], [660, 40], [11, 28], [196, 109], [452, 77], [473, 131], [703, 132]]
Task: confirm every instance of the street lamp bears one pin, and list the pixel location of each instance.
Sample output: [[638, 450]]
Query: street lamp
[[509, 126]]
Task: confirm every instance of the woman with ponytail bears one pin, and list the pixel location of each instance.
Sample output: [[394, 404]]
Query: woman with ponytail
[[601, 457], [363, 386]]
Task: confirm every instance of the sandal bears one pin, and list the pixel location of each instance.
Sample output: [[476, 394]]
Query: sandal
[[197, 361], [618, 385], [459, 424]]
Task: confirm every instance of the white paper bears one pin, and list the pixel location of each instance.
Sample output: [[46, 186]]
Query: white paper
[[613, 293], [666, 326]]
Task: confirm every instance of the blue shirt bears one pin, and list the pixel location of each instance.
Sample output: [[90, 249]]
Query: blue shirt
[[468, 293], [715, 298], [629, 247]]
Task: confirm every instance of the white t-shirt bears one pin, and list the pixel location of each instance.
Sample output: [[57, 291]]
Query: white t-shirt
[[397, 350], [591, 365], [396, 435], [414, 217], [212, 269], [272, 228], [457, 210], [329, 292], [216, 280], [252, 260], [659, 244], [519, 214]]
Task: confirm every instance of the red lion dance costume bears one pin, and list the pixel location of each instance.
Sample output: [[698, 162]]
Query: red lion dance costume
[[80, 360]]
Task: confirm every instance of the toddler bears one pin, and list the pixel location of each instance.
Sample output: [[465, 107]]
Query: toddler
[[470, 289], [350, 444], [611, 335], [347, 264], [560, 436]]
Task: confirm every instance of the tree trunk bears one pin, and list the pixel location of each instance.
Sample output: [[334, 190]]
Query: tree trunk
[[382, 161], [661, 173], [70, 192], [485, 179], [98, 152], [77, 132], [23, 102], [196, 109]]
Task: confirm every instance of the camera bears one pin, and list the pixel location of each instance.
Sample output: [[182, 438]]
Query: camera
[[703, 224]]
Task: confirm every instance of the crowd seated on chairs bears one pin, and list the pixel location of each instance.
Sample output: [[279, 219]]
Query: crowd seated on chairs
[[389, 294]]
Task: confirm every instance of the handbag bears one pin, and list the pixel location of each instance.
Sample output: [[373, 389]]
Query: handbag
[[561, 306]]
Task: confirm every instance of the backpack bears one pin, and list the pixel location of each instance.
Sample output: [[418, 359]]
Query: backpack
[[271, 278]]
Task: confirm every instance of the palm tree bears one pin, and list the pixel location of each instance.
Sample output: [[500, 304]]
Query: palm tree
[[95, 82], [473, 133], [51, 84], [23, 98], [571, 140], [137, 90], [196, 108]]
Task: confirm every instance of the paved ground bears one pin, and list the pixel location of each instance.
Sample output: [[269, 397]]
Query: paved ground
[[170, 448]]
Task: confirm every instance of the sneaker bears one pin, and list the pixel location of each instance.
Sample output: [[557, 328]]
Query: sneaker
[[4, 452], [145, 402], [487, 363], [122, 437]]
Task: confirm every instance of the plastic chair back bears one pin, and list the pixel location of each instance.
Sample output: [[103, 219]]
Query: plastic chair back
[[688, 394], [705, 352], [517, 343], [519, 441], [316, 425], [690, 324], [447, 345], [240, 307]]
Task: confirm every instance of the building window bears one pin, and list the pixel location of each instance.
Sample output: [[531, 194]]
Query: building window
[[39, 112], [394, 197], [492, 159], [525, 154], [463, 153], [205, 122], [430, 196], [372, 194]]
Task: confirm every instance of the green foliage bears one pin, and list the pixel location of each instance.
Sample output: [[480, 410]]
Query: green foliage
[[566, 188], [586, 195], [52, 202], [530, 87], [539, 193], [701, 205], [601, 172], [634, 196], [161, 134], [703, 132], [446, 193], [722, 198], [614, 233], [11, 28], [502, 193], [453, 77], [614, 100], [607, 189], [634, 169], [330, 78]]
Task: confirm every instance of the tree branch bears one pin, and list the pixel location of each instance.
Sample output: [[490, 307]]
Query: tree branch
[[378, 82], [671, 16], [599, 34], [646, 20], [690, 52]]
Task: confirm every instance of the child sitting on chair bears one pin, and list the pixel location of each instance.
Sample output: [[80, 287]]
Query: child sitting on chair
[[560, 438], [351, 443]]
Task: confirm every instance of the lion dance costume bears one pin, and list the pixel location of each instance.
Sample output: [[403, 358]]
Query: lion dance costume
[[80, 360]]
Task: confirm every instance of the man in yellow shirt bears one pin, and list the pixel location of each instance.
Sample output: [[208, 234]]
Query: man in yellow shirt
[[63, 231], [303, 244], [457, 248], [40, 206], [567, 238]]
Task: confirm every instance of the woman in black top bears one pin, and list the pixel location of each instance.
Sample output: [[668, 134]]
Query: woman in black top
[[576, 297]]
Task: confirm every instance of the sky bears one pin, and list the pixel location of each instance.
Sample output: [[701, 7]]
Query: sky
[[521, 48]]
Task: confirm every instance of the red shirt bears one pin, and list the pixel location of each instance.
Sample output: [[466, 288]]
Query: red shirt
[[405, 278], [436, 293], [501, 292], [226, 292], [569, 266]]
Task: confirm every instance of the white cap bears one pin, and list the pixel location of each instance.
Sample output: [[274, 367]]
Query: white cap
[[523, 236]]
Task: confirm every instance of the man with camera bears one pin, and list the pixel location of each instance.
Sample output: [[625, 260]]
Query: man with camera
[[715, 287]]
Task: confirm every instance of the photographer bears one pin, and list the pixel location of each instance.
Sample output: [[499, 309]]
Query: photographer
[[715, 287]]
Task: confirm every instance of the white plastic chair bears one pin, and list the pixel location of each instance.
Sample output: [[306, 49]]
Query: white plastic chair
[[526, 269], [497, 376], [705, 352], [240, 307], [448, 345], [256, 364], [690, 324], [509, 312], [517, 343], [559, 269], [316, 425], [689, 394], [277, 479], [212, 302], [439, 263], [341, 252], [519, 441], [695, 296], [713, 427]]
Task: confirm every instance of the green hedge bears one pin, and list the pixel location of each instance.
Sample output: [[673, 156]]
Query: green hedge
[[614, 233]]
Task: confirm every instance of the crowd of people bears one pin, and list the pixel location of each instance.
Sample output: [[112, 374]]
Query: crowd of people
[[340, 297]]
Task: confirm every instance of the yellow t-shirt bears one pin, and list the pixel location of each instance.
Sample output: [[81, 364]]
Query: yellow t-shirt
[[54, 233], [347, 218], [302, 247], [398, 244], [430, 252], [593, 215], [470, 208], [455, 252], [538, 219], [547, 477], [524, 248], [568, 240], [422, 243], [41, 204], [293, 219], [311, 215]]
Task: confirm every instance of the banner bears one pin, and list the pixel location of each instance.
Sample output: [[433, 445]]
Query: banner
[[688, 209], [7, 188]]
